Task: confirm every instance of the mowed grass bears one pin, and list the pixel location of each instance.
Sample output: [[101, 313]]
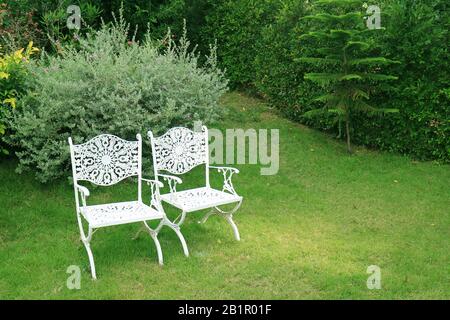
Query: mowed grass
[[309, 232]]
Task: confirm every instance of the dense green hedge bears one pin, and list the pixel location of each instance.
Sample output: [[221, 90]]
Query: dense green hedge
[[237, 27], [417, 36], [39, 20], [259, 47]]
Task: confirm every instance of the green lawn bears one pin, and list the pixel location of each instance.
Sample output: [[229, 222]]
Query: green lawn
[[309, 232]]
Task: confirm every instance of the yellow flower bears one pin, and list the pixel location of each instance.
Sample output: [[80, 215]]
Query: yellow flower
[[4, 75], [18, 53], [30, 49], [11, 101], [18, 56]]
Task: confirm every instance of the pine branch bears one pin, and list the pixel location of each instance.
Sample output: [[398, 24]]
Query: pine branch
[[358, 94], [372, 61], [341, 34], [326, 98], [313, 34], [378, 77], [319, 60], [324, 78], [348, 77], [354, 17], [357, 45], [314, 113], [336, 3], [339, 112]]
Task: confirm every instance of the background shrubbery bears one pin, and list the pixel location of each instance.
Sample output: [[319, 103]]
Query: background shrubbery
[[260, 41], [13, 78], [113, 84], [259, 47], [238, 27], [417, 36]]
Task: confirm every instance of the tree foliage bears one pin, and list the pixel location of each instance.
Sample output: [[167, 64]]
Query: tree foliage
[[344, 45]]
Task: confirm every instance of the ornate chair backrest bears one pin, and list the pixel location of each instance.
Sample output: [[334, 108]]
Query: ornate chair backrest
[[179, 150], [106, 160]]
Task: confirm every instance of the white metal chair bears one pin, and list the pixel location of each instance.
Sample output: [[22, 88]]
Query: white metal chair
[[177, 152], [106, 160]]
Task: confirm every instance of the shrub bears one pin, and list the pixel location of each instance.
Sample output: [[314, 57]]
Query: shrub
[[47, 18], [53, 22], [18, 26], [416, 35], [13, 74], [279, 73], [111, 84], [237, 26]]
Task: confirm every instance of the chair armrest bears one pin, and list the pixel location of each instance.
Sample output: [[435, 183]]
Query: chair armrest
[[155, 182], [83, 190], [234, 170], [84, 193], [172, 181], [227, 173], [155, 199], [168, 177]]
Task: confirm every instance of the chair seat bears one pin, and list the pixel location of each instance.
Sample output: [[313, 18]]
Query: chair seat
[[118, 213], [198, 199]]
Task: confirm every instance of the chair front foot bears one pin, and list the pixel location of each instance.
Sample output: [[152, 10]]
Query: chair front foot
[[91, 258], [158, 249], [154, 235], [229, 218], [176, 229], [228, 215]]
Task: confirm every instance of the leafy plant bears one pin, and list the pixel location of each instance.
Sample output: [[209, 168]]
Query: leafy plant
[[344, 46], [416, 34], [237, 25], [13, 74], [54, 24], [279, 74], [112, 84], [18, 27]]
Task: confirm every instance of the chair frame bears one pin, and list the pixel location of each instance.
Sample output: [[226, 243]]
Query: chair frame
[[83, 193], [173, 181]]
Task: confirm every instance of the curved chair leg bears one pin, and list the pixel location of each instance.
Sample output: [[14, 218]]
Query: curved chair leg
[[182, 217], [228, 215], [91, 259], [154, 236], [229, 218], [176, 228], [86, 241], [205, 218], [138, 233]]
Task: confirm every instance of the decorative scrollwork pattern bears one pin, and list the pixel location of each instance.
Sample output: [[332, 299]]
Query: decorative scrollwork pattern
[[179, 150], [106, 160]]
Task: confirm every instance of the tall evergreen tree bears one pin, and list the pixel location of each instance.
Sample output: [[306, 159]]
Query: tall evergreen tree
[[349, 69]]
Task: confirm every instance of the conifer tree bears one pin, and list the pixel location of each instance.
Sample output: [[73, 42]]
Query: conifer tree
[[349, 70]]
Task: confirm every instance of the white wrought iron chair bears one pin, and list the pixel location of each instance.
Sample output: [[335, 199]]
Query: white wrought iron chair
[[177, 152], [104, 161]]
